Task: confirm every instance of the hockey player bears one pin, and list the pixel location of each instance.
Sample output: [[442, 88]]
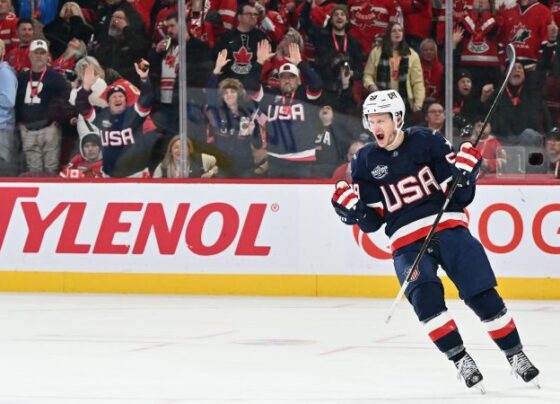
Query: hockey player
[[402, 181]]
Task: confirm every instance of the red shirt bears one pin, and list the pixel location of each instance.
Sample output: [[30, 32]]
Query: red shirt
[[18, 58], [8, 31]]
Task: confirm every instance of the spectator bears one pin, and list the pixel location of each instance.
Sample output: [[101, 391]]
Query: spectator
[[517, 120], [493, 157], [18, 57], [126, 43], [529, 26], [478, 48], [75, 50], [340, 55], [435, 117], [241, 44], [552, 146], [433, 71], [417, 20], [269, 73], [330, 144], [40, 104], [43, 11], [289, 118], [231, 124], [87, 163], [270, 22], [466, 105], [370, 20], [69, 24], [127, 140], [199, 165], [165, 62], [344, 171], [395, 66], [8, 25], [7, 115]]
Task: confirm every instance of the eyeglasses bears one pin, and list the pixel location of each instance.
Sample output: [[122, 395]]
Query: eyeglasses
[[251, 14], [437, 111]]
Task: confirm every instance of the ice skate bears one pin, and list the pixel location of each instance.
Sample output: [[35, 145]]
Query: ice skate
[[522, 367], [468, 371]]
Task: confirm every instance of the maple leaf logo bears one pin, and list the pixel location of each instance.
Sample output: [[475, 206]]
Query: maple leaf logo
[[243, 56]]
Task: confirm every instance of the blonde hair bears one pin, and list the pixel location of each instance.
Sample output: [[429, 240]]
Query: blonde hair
[[167, 162], [82, 64], [75, 7]]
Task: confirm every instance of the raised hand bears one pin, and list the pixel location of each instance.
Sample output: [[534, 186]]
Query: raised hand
[[264, 52], [143, 74], [221, 61], [295, 54], [89, 77]]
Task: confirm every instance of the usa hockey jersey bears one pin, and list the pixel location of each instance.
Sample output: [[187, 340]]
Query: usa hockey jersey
[[127, 138], [407, 187]]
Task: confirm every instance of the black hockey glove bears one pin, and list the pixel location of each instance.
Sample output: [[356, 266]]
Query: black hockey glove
[[347, 205]]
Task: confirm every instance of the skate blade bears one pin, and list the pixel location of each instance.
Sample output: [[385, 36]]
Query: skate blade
[[480, 388], [535, 382]]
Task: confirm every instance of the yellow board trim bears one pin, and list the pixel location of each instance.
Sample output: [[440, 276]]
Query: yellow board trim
[[243, 284]]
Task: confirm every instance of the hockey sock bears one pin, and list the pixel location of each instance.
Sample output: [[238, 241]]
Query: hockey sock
[[443, 332], [490, 308]]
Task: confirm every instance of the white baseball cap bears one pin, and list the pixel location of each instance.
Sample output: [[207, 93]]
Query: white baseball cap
[[39, 44], [289, 68]]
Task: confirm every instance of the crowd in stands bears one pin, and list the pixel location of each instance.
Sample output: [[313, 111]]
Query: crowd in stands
[[90, 88]]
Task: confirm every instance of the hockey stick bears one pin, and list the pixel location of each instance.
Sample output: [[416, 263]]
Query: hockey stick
[[510, 51]]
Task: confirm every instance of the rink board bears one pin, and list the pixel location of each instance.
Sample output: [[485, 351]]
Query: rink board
[[244, 238]]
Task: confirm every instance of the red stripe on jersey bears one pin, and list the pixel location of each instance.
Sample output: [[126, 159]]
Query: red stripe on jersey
[[442, 331], [142, 109], [504, 331], [89, 114], [423, 232]]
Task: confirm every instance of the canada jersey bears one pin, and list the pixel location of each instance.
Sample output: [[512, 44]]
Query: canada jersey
[[406, 187]]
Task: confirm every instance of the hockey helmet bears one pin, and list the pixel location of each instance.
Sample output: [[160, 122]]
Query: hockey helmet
[[385, 101]]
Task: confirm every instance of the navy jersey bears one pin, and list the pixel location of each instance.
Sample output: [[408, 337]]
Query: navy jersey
[[406, 187], [126, 141]]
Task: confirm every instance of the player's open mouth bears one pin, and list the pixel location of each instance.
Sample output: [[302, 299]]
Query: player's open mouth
[[380, 136]]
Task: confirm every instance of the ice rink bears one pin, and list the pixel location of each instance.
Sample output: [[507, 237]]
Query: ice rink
[[130, 349]]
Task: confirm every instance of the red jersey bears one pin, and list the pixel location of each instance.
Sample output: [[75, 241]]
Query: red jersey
[[79, 167], [61, 65], [8, 31], [274, 26], [480, 43], [18, 58], [417, 17], [526, 31], [489, 150], [369, 20]]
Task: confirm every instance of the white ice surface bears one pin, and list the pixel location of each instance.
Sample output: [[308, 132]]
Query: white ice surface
[[128, 349]]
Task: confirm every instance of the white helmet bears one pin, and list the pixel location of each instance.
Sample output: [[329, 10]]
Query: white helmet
[[385, 101]]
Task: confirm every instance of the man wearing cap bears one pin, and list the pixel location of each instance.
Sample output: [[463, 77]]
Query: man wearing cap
[[288, 115], [41, 97], [127, 137]]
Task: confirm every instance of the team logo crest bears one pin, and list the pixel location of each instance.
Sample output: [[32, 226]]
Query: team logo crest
[[380, 171], [522, 34]]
